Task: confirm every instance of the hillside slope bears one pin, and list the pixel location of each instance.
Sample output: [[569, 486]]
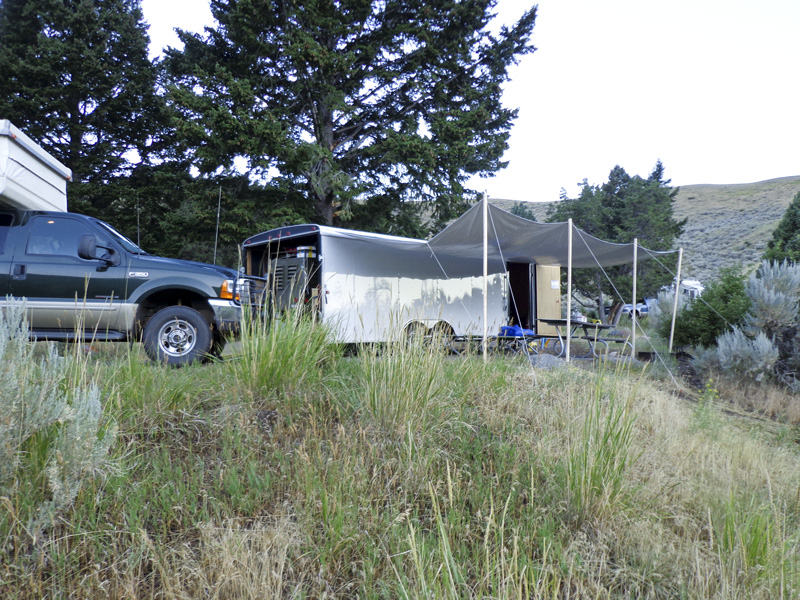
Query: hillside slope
[[728, 224]]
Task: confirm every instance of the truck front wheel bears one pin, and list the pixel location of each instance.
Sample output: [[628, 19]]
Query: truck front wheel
[[176, 336]]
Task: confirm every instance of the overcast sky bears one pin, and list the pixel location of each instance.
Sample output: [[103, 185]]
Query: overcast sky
[[709, 87]]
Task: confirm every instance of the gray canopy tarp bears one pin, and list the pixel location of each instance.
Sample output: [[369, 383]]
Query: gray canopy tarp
[[514, 239]]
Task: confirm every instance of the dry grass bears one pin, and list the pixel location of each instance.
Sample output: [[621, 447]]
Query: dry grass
[[364, 482], [772, 401], [236, 560], [730, 224]]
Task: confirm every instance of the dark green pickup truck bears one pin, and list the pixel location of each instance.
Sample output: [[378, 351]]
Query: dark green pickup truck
[[80, 279]]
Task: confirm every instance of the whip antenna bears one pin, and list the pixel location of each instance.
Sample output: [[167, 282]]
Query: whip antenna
[[216, 235]]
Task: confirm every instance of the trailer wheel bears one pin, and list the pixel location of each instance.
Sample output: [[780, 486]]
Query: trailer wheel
[[177, 336], [441, 337], [416, 333]]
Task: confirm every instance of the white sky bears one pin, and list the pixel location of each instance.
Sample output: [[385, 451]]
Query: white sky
[[710, 87]]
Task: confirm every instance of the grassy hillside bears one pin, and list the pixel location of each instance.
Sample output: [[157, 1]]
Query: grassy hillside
[[728, 224], [293, 471]]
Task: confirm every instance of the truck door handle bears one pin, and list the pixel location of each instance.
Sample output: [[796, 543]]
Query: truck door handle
[[19, 272]]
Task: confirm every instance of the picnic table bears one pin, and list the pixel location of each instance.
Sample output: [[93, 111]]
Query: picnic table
[[591, 334]]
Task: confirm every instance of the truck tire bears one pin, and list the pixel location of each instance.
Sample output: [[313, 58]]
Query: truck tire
[[177, 336], [218, 343]]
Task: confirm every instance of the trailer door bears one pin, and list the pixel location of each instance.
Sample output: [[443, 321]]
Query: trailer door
[[548, 297], [520, 288]]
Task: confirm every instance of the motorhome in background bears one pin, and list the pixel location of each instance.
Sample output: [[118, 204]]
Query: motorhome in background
[[371, 287], [692, 288]]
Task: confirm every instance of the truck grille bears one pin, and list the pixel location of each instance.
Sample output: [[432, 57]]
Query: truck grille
[[252, 291]]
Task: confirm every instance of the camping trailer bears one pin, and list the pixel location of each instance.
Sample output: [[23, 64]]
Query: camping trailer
[[371, 287], [30, 178]]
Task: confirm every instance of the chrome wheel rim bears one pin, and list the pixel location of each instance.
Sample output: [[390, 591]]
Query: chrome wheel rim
[[177, 338]]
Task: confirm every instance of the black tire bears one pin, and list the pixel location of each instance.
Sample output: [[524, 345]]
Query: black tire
[[177, 336], [442, 336], [416, 333], [218, 342]]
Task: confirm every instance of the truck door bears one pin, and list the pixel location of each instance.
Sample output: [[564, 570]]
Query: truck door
[[62, 290], [5, 255]]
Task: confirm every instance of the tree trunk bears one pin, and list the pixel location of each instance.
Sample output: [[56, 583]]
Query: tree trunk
[[614, 313]]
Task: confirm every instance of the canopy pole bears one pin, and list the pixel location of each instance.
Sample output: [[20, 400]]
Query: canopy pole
[[633, 312], [675, 301], [568, 332], [485, 276]]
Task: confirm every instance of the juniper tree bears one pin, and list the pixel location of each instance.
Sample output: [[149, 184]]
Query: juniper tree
[[623, 209], [785, 242], [363, 105]]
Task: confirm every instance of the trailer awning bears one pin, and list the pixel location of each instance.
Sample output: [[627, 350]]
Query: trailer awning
[[514, 239]]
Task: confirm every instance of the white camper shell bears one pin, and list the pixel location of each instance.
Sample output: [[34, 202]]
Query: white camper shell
[[30, 178], [371, 287]]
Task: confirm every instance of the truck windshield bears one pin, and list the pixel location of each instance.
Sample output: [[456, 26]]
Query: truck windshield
[[121, 239]]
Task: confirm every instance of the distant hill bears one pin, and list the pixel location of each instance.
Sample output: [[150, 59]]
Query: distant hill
[[728, 224]]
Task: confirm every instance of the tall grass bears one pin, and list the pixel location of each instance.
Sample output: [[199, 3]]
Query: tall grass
[[404, 386], [598, 461], [237, 559], [278, 355], [404, 472]]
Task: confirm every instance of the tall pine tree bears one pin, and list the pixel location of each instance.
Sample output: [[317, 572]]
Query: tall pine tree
[[623, 209], [363, 105], [77, 78]]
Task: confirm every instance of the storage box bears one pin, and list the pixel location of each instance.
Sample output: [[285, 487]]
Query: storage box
[[30, 178], [306, 252]]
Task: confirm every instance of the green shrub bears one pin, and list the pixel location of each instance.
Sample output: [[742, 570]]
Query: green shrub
[[742, 355], [768, 342], [51, 437], [774, 291], [722, 306]]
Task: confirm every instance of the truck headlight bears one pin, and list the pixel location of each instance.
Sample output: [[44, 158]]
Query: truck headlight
[[227, 290]]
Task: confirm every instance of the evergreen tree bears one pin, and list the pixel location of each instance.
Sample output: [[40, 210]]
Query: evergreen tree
[[621, 210], [521, 209], [170, 213], [77, 79], [785, 242], [722, 307], [366, 106]]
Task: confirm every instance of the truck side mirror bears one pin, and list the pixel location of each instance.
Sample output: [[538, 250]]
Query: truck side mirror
[[87, 247]]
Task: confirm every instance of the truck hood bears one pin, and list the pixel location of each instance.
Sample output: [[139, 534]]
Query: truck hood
[[187, 265]]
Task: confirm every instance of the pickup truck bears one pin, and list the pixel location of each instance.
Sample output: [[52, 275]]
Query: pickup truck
[[80, 279]]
